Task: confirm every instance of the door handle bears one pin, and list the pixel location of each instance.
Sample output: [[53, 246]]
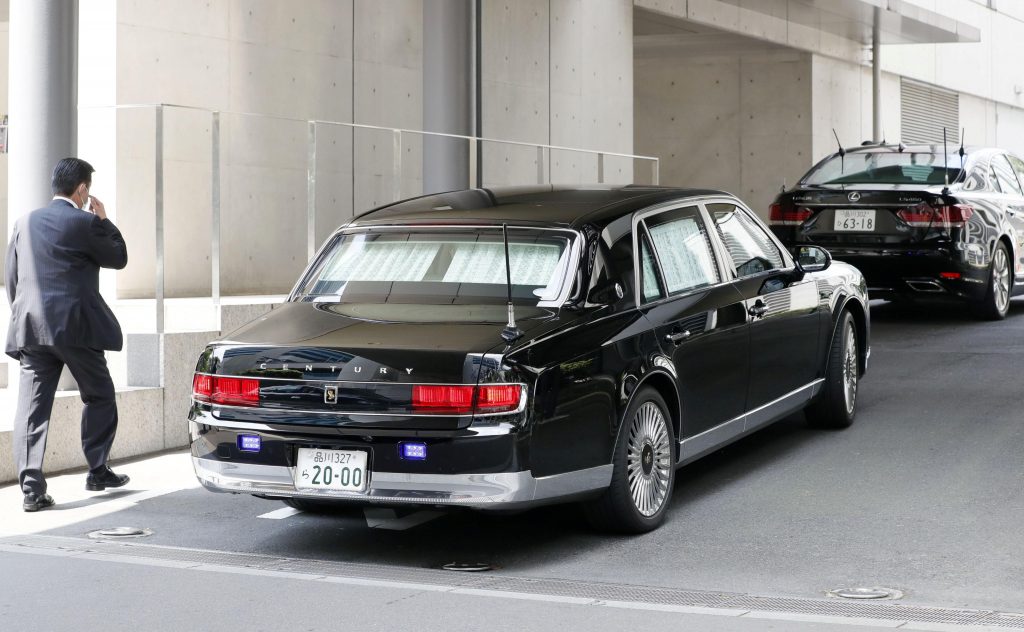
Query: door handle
[[678, 337], [758, 310]]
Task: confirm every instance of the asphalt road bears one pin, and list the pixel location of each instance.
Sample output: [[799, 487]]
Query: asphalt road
[[922, 495]]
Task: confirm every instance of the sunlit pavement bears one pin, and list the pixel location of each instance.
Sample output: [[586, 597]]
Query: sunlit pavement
[[150, 478]]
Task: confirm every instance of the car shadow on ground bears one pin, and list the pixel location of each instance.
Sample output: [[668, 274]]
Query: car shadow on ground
[[932, 312], [526, 540]]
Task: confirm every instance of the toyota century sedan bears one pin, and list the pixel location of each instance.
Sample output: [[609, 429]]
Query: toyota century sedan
[[919, 221], [504, 348]]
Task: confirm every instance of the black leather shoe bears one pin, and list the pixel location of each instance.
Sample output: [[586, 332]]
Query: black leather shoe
[[101, 479], [35, 502]]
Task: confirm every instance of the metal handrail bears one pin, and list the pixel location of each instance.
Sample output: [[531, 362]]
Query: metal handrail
[[215, 201]]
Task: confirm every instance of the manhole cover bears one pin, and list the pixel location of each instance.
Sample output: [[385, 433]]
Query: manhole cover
[[468, 567], [120, 532], [875, 592]]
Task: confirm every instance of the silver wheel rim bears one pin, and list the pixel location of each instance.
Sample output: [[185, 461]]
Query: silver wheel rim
[[1000, 280], [648, 459], [850, 369]]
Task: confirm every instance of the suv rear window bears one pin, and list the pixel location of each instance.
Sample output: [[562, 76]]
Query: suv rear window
[[876, 167]]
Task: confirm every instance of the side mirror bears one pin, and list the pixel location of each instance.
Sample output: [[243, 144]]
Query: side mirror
[[607, 293], [812, 258]]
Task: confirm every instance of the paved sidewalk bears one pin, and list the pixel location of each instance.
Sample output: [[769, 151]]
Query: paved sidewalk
[[151, 477]]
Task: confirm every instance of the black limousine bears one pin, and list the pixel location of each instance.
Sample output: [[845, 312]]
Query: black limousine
[[502, 348], [919, 221]]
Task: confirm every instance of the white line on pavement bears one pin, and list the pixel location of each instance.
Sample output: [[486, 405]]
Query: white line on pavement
[[283, 512]]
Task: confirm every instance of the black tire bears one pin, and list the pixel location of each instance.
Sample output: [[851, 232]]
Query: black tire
[[312, 506], [996, 303], [836, 405], [645, 445]]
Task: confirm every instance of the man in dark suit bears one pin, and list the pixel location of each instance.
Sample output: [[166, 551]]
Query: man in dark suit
[[58, 318]]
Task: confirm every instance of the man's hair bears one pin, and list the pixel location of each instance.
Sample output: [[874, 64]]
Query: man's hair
[[68, 174]]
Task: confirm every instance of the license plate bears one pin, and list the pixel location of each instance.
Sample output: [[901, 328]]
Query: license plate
[[336, 470], [854, 220]]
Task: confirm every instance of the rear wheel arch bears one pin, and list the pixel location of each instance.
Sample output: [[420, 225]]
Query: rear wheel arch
[[665, 385], [1014, 255], [860, 324]]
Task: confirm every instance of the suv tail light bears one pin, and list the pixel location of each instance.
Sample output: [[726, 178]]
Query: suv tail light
[[787, 216], [232, 391], [923, 215], [444, 399]]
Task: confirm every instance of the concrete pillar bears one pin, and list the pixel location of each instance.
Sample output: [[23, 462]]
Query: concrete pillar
[[876, 78], [42, 93], [448, 92]]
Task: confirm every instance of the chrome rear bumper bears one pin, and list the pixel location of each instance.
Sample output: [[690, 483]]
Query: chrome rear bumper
[[479, 491]]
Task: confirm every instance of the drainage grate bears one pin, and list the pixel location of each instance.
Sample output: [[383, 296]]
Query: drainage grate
[[597, 592]]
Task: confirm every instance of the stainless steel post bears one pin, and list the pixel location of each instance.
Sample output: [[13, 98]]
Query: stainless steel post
[[311, 192], [158, 214], [215, 213]]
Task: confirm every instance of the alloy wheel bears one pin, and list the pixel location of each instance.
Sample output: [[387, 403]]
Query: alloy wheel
[[850, 369], [1000, 280], [648, 459]]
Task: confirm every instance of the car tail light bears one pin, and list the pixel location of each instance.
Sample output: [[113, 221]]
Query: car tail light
[[923, 215], [498, 398], [783, 216], [440, 398], [233, 391], [202, 387], [459, 400]]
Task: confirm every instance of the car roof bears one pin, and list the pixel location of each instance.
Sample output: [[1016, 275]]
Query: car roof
[[547, 205]]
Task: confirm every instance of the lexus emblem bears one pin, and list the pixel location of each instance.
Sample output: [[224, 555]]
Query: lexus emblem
[[330, 394], [854, 197]]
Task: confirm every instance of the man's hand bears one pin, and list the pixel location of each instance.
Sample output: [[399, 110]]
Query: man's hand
[[96, 207]]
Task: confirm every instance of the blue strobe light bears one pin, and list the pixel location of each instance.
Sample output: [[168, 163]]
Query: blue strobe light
[[413, 451], [249, 443]]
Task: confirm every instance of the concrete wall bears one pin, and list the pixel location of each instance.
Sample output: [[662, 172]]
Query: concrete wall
[[557, 73], [741, 123], [345, 60], [4, 40]]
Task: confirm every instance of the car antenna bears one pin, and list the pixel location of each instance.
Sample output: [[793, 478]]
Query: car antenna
[[842, 152], [963, 132], [945, 162], [510, 333]]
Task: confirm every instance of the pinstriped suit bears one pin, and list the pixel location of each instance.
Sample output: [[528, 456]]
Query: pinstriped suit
[[59, 318]]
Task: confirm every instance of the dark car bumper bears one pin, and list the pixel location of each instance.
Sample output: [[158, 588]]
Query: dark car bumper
[[911, 272], [477, 467]]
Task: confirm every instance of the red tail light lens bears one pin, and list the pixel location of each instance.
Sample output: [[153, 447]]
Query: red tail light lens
[[202, 387], [232, 391], [460, 400], [783, 216], [955, 214], [440, 398], [923, 215], [236, 391], [498, 398]]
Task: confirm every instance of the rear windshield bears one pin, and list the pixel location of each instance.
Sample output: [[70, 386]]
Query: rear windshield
[[885, 168], [442, 266]]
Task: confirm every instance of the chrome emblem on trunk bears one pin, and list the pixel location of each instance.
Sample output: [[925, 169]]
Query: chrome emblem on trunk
[[854, 197], [330, 394]]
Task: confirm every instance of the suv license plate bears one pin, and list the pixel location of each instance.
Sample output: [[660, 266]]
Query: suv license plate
[[854, 220], [335, 470]]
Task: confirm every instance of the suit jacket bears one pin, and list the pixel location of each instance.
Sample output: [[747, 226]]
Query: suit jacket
[[53, 279]]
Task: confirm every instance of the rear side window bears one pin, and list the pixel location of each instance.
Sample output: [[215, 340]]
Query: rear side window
[[1018, 167], [1004, 174], [683, 249], [751, 249]]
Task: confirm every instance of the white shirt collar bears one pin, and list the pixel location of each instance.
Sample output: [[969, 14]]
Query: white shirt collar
[[68, 200]]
